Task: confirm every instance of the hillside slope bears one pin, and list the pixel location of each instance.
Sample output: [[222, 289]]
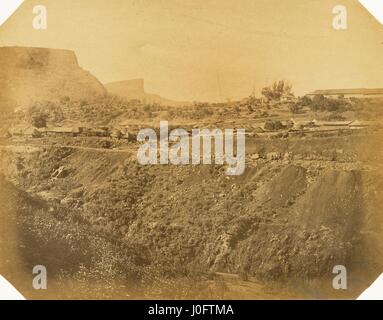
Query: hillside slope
[[283, 220]]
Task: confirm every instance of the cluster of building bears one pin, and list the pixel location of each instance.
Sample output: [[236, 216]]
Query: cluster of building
[[73, 131], [320, 125], [307, 126]]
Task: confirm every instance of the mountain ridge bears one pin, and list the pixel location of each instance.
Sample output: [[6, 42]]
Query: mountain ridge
[[134, 89]]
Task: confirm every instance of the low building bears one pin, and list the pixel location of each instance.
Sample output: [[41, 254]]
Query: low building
[[360, 124], [99, 132], [62, 131], [301, 124], [288, 97], [25, 131], [32, 132], [320, 123], [349, 93], [43, 131]]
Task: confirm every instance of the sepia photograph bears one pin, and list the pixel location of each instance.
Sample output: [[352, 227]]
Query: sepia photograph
[[191, 150]]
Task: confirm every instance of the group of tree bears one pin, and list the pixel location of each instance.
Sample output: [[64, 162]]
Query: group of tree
[[277, 90], [322, 103], [40, 113]]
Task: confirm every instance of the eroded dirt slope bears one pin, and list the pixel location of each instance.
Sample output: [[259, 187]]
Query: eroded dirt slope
[[288, 218]]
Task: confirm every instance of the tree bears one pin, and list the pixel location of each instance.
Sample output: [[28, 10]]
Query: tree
[[39, 119], [318, 102], [251, 102], [277, 90], [295, 107], [42, 112], [322, 103], [306, 101]]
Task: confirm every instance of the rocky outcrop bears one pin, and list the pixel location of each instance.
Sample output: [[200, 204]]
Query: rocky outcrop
[[29, 75]]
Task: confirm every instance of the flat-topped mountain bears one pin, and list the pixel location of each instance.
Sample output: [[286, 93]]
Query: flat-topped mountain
[[35, 74]]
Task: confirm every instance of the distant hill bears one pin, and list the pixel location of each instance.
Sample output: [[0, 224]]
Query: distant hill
[[135, 90], [35, 74]]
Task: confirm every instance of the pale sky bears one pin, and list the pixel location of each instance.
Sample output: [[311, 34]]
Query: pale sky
[[210, 50]]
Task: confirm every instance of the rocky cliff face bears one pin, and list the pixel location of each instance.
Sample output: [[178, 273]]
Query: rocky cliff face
[[35, 74]]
